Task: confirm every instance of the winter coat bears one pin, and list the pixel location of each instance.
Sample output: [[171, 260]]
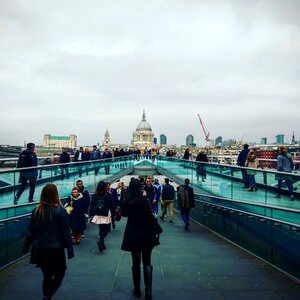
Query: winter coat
[[77, 217], [139, 232], [28, 159], [53, 233], [242, 157], [168, 192], [101, 205]]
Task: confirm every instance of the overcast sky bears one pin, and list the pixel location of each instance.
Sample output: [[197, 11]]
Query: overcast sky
[[79, 67]]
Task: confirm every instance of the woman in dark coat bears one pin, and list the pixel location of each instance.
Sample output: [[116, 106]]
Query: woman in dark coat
[[139, 236], [49, 228], [77, 217]]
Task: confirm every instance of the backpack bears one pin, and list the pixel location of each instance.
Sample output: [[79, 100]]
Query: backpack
[[25, 160], [101, 206], [182, 196]]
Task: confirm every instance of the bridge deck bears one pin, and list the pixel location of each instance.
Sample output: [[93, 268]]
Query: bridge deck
[[187, 265]]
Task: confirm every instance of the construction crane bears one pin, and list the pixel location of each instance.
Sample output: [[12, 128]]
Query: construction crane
[[206, 134]]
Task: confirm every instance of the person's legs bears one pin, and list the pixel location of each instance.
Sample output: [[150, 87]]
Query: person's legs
[[164, 208], [58, 276], [148, 269], [23, 186], [48, 275], [136, 272], [171, 211], [185, 215], [32, 183], [279, 187], [290, 187]]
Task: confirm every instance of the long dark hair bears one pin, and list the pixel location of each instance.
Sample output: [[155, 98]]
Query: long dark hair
[[101, 188], [50, 197], [134, 191]]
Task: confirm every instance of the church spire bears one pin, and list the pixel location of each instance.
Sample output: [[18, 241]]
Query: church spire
[[144, 116]]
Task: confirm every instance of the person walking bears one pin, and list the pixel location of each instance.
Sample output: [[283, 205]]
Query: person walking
[[64, 158], [27, 159], [77, 217], [252, 162], [102, 205], [186, 201], [49, 227], [96, 155], [241, 161], [139, 236], [167, 197], [285, 163], [151, 194], [201, 167]]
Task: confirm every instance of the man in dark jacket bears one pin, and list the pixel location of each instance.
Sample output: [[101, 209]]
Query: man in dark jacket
[[64, 158], [27, 159], [186, 201], [167, 197], [241, 160]]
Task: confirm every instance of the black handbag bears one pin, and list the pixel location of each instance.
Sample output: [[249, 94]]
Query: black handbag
[[157, 228]]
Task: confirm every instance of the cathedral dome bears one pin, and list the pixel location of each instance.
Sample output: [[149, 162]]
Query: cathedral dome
[[143, 125], [143, 135]]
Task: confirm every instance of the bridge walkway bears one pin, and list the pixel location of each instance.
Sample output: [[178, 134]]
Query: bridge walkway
[[187, 265]]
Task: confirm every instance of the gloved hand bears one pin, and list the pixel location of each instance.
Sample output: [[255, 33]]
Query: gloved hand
[[70, 253]]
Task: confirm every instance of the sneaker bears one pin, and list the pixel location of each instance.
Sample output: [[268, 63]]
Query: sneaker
[[292, 197], [277, 196], [171, 222]]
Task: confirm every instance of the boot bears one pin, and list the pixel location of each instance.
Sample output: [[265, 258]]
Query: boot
[[148, 282], [251, 189], [136, 275]]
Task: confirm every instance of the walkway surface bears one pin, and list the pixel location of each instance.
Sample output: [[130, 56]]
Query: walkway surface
[[187, 265]]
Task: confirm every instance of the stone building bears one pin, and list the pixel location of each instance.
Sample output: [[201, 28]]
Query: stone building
[[143, 136], [54, 141], [106, 141]]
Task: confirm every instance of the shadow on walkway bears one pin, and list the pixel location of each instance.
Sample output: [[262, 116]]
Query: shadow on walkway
[[187, 265]]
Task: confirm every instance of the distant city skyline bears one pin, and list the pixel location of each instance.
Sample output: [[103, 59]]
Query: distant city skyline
[[233, 62]]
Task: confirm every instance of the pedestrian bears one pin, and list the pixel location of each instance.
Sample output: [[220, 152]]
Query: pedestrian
[[102, 205], [49, 229], [151, 194], [115, 200], [77, 217], [186, 201], [78, 158], [252, 162], [64, 160], [201, 167], [139, 236], [96, 155], [241, 161], [167, 196], [86, 195], [26, 160], [285, 163], [107, 156], [157, 187]]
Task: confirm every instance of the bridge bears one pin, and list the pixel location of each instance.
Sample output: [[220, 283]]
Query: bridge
[[241, 244]]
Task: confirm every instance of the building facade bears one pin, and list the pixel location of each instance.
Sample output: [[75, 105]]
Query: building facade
[[189, 140], [106, 141], [280, 139], [143, 136], [163, 139], [54, 141]]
